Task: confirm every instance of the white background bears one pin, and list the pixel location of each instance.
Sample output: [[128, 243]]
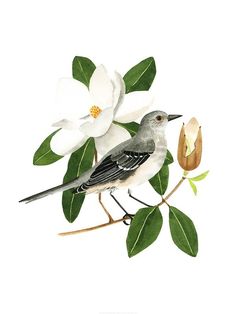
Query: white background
[[193, 43]]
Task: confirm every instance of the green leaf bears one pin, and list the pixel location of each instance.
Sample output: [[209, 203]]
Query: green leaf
[[82, 69], [141, 76], [144, 229], [44, 155], [131, 127], [169, 158], [160, 181], [193, 186], [200, 177], [79, 162], [183, 231]]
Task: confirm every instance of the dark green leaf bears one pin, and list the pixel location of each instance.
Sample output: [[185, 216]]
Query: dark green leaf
[[144, 229], [169, 158], [200, 177], [79, 162], [131, 127], [82, 69], [44, 155], [141, 76], [183, 231], [160, 181], [193, 186]]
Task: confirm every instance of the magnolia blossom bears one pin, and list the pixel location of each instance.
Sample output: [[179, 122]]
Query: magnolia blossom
[[190, 145], [93, 112]]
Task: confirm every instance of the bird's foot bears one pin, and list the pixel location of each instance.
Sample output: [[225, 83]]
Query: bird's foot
[[130, 216]]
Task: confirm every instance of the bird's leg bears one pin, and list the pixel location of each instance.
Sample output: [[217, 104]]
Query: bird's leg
[[119, 204], [105, 210], [136, 199]]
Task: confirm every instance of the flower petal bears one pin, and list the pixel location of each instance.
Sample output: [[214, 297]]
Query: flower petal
[[135, 105], [72, 98], [191, 132], [100, 125], [118, 91], [114, 136], [101, 88], [68, 124], [67, 141]]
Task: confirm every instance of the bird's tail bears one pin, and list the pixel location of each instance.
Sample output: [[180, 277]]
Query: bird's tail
[[59, 188]]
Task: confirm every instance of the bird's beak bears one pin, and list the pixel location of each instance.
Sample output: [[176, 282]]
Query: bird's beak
[[174, 116]]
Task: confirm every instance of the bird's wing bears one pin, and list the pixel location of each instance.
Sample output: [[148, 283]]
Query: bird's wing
[[118, 166]]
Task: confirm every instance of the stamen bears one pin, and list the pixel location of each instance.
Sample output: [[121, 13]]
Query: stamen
[[95, 111]]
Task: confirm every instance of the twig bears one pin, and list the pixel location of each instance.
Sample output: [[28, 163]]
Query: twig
[[112, 221], [94, 227], [172, 191]]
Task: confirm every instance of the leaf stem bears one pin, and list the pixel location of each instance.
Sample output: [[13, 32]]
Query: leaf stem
[[171, 192], [112, 221]]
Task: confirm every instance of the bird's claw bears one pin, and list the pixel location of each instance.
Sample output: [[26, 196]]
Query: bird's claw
[[130, 216]]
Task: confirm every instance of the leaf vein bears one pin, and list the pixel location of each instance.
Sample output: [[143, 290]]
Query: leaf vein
[[140, 231], [40, 157], [86, 79], [159, 179], [183, 232], [140, 75], [78, 171], [71, 203], [82, 157]]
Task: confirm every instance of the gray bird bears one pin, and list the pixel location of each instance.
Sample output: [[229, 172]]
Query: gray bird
[[128, 164]]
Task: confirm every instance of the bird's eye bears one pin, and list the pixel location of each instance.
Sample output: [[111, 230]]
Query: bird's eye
[[159, 118]]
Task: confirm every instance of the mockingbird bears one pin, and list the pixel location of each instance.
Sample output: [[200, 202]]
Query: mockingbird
[[128, 164]]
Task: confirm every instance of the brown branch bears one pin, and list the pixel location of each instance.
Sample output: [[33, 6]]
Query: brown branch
[[94, 227], [95, 156], [112, 221], [171, 192]]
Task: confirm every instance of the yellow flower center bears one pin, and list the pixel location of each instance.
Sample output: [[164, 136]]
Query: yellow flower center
[[95, 111]]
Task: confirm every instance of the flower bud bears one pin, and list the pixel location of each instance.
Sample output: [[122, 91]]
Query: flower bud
[[190, 145]]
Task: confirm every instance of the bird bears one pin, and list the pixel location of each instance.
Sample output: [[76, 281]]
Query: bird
[[130, 163]]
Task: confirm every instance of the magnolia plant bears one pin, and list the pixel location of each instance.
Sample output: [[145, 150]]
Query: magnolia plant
[[104, 105], [100, 112]]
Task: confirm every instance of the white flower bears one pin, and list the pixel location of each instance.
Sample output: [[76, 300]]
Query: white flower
[[190, 145], [191, 134], [95, 111]]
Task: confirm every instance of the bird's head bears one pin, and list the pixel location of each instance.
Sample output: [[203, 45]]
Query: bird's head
[[158, 119]]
